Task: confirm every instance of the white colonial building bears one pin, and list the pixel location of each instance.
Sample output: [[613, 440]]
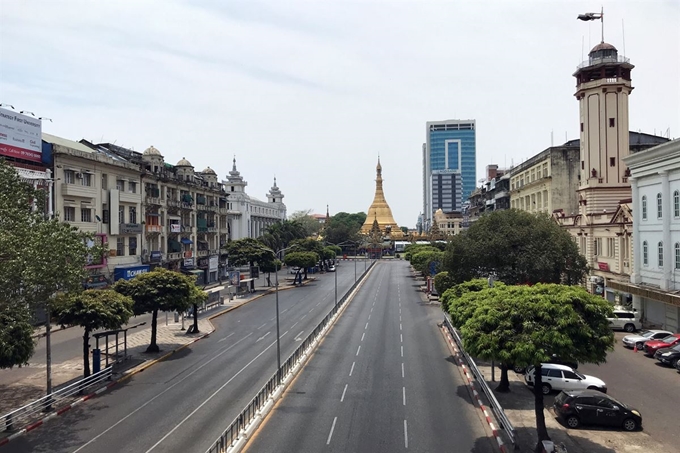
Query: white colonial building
[[655, 278]]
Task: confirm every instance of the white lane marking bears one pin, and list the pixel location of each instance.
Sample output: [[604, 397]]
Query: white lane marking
[[366, 327], [283, 311], [295, 324], [310, 310], [284, 334], [303, 317], [273, 319], [399, 318], [399, 326], [402, 369], [224, 339], [371, 309], [352, 369], [210, 397], [342, 398], [297, 337], [405, 435], [369, 317], [163, 392], [400, 311], [358, 349], [262, 326], [403, 391], [401, 338], [263, 336], [331, 433], [402, 351], [362, 336], [319, 303]]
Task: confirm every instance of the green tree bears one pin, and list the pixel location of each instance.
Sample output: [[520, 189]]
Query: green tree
[[526, 325], [92, 309], [309, 224], [197, 297], [279, 235], [38, 258], [412, 249], [344, 227], [442, 282], [269, 267], [159, 289], [302, 260], [248, 251], [519, 247], [422, 260]]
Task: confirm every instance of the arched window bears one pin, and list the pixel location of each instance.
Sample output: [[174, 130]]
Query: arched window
[[645, 254], [677, 255], [676, 203], [659, 206], [660, 254], [644, 207]]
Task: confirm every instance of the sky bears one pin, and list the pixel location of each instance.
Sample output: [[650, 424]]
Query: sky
[[312, 92]]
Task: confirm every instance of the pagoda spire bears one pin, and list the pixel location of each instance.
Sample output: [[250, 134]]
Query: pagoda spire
[[379, 212]]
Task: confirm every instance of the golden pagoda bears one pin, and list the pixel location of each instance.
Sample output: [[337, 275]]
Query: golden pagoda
[[380, 212]]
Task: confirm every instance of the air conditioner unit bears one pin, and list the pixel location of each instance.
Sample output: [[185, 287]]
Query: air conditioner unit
[[79, 175]]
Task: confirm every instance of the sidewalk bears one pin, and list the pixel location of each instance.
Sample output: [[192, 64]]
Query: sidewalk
[[170, 338]]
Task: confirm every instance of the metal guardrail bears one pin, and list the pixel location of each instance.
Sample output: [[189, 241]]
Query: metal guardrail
[[248, 414], [496, 408], [20, 418]]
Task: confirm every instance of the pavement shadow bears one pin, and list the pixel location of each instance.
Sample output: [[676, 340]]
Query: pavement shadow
[[528, 437], [485, 444]]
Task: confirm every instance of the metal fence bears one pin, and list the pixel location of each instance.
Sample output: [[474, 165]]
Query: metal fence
[[264, 396], [496, 408], [18, 419]]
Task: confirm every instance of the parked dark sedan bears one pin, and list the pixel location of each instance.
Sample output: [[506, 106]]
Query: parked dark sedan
[[668, 356], [590, 407]]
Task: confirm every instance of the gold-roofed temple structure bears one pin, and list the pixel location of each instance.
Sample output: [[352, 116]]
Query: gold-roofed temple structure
[[380, 213]]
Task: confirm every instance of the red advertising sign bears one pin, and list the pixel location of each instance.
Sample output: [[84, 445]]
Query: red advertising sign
[[603, 266]]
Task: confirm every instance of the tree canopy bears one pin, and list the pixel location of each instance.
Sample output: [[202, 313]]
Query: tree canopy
[[159, 289], [303, 260], [526, 325], [248, 251], [39, 257], [519, 247], [309, 224], [423, 259], [344, 227], [92, 309], [279, 235]]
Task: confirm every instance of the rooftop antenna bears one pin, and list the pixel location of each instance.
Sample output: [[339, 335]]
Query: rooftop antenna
[[583, 50], [552, 141], [593, 16], [623, 32]]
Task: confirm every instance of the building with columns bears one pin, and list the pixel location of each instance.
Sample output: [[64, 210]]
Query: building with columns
[[655, 279]]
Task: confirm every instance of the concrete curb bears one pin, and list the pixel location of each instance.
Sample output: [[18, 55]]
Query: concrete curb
[[495, 431]]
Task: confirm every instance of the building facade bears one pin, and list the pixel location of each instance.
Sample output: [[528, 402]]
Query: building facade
[[547, 181], [449, 223], [450, 146], [655, 279], [446, 190]]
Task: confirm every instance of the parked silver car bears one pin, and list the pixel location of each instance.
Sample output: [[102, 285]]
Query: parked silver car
[[631, 341]]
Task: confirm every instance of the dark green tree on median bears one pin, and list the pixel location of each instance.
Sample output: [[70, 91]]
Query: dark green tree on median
[[92, 309], [159, 289], [526, 325], [197, 297], [518, 247]]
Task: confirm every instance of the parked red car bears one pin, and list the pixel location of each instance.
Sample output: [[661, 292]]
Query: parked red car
[[652, 346]]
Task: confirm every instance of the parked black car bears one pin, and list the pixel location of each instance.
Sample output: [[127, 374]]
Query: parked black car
[[668, 356], [519, 369], [590, 407]]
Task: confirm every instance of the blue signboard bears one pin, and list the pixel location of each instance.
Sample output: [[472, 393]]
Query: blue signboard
[[129, 272]]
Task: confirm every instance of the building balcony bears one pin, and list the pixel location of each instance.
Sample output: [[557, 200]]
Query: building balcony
[[154, 228], [174, 256], [202, 253], [212, 229], [186, 206], [128, 197], [223, 211], [153, 201], [76, 190], [215, 252]]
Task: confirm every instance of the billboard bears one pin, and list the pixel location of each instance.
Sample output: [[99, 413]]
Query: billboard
[[20, 136]]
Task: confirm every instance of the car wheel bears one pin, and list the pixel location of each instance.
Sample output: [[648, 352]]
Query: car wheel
[[519, 369], [629, 328], [639, 345], [630, 424], [674, 363], [573, 422], [545, 388]]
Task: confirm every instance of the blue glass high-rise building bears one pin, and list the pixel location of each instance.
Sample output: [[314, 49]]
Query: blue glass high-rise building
[[450, 148]]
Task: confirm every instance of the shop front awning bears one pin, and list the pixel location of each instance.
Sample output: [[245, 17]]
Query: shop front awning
[[646, 292], [187, 241], [214, 290]]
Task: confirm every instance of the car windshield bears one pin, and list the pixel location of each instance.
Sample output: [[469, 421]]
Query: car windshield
[[647, 333], [581, 376], [676, 348], [617, 402], [670, 339]]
